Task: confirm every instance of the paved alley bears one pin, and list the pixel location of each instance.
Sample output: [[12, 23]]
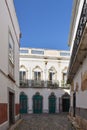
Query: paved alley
[[44, 122]]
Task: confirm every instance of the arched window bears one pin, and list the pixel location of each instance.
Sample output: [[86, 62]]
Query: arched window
[[37, 73], [52, 74], [64, 76], [23, 73]]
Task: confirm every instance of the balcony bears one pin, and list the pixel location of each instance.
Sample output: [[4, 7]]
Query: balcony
[[64, 85], [39, 84], [31, 84], [24, 84], [79, 51], [52, 84]]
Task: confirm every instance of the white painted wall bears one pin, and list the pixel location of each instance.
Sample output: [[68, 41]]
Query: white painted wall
[[30, 61], [8, 22], [6, 26], [81, 96]]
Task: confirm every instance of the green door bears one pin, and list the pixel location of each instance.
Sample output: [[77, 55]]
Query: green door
[[52, 103], [37, 103], [23, 103]]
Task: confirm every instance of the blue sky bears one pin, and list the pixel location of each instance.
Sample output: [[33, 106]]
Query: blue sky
[[44, 23]]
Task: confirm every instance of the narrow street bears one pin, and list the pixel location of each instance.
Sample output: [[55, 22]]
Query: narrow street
[[44, 122]]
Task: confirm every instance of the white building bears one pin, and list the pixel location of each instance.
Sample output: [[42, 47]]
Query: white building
[[43, 80], [77, 72], [9, 64]]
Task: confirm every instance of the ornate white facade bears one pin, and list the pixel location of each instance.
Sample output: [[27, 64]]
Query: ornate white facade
[[9, 64], [43, 72], [77, 72]]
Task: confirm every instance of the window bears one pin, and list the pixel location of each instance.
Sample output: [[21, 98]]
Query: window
[[50, 75], [37, 75], [37, 52], [11, 56], [24, 51], [11, 49], [64, 76], [64, 54], [22, 75]]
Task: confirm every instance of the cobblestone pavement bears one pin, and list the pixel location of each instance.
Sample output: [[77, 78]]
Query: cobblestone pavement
[[44, 122]]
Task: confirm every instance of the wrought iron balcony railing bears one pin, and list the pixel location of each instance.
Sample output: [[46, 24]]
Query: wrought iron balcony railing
[[24, 83], [52, 84], [64, 84], [31, 83], [39, 84]]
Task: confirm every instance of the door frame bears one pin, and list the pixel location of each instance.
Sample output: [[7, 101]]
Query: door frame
[[12, 113], [65, 96]]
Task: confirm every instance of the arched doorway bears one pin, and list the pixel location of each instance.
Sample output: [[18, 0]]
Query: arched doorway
[[65, 102], [52, 103], [37, 103], [23, 103]]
